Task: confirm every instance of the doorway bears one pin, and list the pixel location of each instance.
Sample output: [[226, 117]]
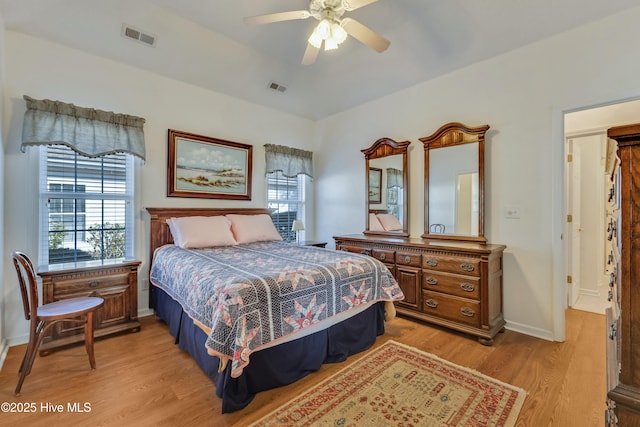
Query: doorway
[[585, 207], [585, 201]]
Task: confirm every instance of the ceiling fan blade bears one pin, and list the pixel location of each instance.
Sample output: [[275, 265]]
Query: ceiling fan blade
[[356, 4], [365, 35], [310, 54], [277, 17]]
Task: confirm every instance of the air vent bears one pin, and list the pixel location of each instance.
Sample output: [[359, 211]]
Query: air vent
[[277, 87], [135, 34]]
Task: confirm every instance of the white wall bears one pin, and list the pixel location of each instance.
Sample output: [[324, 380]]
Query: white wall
[[522, 95], [44, 70]]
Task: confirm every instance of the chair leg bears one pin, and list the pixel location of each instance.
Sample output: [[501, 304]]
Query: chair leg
[[27, 361], [88, 339]]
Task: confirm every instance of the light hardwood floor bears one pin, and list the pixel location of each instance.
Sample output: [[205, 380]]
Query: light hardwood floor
[[143, 379]]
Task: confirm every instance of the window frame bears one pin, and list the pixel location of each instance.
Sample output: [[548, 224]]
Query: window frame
[[302, 186], [45, 194]]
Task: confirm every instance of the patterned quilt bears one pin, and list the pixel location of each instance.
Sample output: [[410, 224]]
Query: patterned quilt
[[248, 296]]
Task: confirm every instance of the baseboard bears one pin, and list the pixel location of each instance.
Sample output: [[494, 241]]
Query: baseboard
[[146, 312], [528, 330]]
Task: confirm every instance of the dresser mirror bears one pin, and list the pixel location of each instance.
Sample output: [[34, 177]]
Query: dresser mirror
[[454, 183], [387, 188]]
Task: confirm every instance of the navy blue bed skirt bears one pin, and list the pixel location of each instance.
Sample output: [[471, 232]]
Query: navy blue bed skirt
[[275, 366]]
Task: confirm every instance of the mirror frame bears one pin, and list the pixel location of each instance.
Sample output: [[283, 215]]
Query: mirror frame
[[382, 148], [449, 135]]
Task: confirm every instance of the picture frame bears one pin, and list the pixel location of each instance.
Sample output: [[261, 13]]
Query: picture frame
[[375, 183], [206, 167]]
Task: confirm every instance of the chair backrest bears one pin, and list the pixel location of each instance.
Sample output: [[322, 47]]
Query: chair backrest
[[28, 284], [436, 228]]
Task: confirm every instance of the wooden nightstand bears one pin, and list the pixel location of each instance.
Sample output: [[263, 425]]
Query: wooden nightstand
[[114, 280], [313, 243]]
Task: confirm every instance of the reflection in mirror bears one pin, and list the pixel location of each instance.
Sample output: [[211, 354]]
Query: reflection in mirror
[[387, 188], [454, 183]]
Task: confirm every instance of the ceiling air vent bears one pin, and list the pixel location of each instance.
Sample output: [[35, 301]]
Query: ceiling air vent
[[277, 87], [135, 34]]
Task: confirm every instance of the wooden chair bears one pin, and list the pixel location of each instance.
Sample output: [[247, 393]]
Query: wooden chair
[[436, 228], [43, 317]]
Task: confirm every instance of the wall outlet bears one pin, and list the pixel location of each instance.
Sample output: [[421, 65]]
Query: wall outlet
[[145, 284], [512, 211]]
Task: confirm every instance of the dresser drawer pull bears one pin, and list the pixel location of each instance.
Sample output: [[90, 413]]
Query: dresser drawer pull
[[94, 284], [467, 287], [407, 259], [431, 303], [467, 267], [432, 281], [382, 257], [343, 249], [432, 262], [466, 311]]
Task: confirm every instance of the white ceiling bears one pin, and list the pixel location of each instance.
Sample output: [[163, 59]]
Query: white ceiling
[[205, 42]]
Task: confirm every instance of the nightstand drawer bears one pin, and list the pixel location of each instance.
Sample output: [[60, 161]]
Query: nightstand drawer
[[84, 284]]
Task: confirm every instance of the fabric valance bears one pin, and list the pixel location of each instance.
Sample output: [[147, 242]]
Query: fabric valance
[[394, 178], [87, 131], [290, 161]]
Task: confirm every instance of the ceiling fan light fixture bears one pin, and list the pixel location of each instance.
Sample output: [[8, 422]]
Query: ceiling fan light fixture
[[338, 34], [320, 33], [329, 31]]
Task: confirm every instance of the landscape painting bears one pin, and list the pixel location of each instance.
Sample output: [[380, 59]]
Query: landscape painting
[[205, 167]]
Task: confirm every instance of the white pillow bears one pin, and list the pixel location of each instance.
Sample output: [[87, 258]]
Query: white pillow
[[201, 231], [374, 223], [389, 222], [174, 231], [253, 228]]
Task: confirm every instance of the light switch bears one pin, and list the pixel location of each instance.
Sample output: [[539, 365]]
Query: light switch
[[512, 211]]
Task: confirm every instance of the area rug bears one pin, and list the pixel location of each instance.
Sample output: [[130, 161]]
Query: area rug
[[398, 385]]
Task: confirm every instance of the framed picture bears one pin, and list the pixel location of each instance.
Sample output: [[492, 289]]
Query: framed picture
[[200, 166], [375, 181]]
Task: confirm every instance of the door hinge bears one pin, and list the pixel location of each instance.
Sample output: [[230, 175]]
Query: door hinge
[[569, 218], [569, 158], [569, 279]]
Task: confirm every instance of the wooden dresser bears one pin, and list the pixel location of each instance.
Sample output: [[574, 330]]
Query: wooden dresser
[[114, 280], [623, 348], [453, 284]]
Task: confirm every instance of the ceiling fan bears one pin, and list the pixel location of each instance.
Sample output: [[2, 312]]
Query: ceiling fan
[[332, 29]]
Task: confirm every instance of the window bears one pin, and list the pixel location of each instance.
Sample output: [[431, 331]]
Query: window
[[86, 206], [286, 197]]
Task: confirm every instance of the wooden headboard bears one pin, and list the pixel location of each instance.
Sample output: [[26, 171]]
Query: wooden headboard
[[159, 230]]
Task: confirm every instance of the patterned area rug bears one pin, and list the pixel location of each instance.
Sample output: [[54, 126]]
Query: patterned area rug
[[398, 385]]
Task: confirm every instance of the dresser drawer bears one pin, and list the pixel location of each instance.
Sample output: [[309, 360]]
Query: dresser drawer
[[462, 286], [449, 307], [384, 255], [410, 259], [354, 249], [458, 265]]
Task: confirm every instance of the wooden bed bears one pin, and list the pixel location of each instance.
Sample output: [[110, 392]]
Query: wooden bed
[[271, 367]]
